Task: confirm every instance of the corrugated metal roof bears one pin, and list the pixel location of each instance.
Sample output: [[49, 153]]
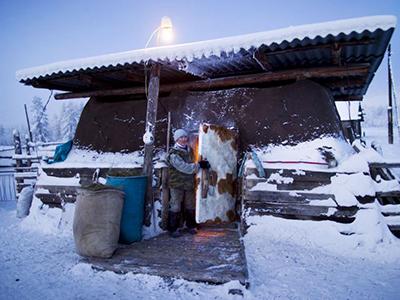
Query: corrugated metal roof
[[360, 40]]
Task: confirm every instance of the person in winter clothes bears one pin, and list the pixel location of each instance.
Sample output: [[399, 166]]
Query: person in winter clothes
[[182, 169]]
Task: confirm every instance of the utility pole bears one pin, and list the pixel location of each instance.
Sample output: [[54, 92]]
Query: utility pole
[[390, 106]]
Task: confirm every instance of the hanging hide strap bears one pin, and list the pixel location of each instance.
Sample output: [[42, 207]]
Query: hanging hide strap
[[258, 164], [251, 155]]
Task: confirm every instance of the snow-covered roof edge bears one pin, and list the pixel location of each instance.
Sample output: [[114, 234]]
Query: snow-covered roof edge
[[191, 51]]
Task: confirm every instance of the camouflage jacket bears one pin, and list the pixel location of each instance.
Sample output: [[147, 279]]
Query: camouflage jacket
[[181, 168]]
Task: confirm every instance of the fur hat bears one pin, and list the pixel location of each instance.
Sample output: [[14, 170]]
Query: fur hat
[[179, 133]]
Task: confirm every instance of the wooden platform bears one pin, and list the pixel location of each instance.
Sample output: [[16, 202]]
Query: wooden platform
[[215, 255]]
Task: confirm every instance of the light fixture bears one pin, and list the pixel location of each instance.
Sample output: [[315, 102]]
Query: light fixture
[[165, 33]]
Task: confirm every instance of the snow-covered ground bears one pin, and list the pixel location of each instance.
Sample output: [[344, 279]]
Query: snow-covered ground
[[286, 259]]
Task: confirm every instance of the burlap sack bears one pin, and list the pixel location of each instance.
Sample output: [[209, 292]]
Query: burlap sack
[[97, 221]]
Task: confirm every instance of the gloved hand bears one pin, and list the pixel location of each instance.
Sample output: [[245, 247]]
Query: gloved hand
[[204, 164]]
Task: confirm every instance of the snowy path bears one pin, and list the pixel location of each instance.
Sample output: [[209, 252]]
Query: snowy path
[[35, 265]]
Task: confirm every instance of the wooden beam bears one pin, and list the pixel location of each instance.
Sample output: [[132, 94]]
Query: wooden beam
[[344, 82], [319, 47], [348, 98], [151, 117], [94, 81], [233, 81]]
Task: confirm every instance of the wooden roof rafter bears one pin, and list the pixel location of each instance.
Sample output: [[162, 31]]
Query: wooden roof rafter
[[234, 81]]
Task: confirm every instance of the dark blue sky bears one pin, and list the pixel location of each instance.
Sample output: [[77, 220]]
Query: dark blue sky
[[40, 32]]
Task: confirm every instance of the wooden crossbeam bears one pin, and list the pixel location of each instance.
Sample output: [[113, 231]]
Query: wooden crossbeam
[[233, 81], [348, 98]]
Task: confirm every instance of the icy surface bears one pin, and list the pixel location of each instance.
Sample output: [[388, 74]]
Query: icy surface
[[217, 47]]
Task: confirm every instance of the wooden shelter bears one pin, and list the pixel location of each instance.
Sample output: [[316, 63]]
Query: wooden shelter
[[272, 87]]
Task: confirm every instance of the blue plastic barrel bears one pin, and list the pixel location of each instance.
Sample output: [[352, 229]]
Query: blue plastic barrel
[[133, 210]]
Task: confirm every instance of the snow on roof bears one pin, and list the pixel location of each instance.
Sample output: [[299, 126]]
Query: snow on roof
[[216, 47]]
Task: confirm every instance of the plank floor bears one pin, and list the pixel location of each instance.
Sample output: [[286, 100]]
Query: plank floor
[[214, 255]]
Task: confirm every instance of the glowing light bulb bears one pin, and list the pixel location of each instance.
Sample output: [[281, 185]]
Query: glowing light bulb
[[166, 34]]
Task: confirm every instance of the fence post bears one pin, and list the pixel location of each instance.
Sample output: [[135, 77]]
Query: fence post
[[28, 150], [18, 162]]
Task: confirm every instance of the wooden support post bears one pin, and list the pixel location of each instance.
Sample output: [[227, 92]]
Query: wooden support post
[[28, 150], [390, 105], [151, 117], [18, 162], [29, 125], [164, 182]]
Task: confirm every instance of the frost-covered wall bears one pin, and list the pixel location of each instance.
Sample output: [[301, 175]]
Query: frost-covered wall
[[287, 114]]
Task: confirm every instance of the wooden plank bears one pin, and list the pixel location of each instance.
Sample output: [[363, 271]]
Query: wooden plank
[[71, 172], [215, 255], [55, 199], [291, 209], [300, 175], [26, 175], [151, 117], [384, 165], [26, 169], [348, 98], [233, 81], [278, 196], [300, 185], [305, 212], [388, 194], [62, 189]]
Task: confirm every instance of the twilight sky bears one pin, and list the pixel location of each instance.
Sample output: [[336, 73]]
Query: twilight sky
[[38, 32]]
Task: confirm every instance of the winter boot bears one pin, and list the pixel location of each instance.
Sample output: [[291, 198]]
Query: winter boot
[[190, 216], [173, 224]]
